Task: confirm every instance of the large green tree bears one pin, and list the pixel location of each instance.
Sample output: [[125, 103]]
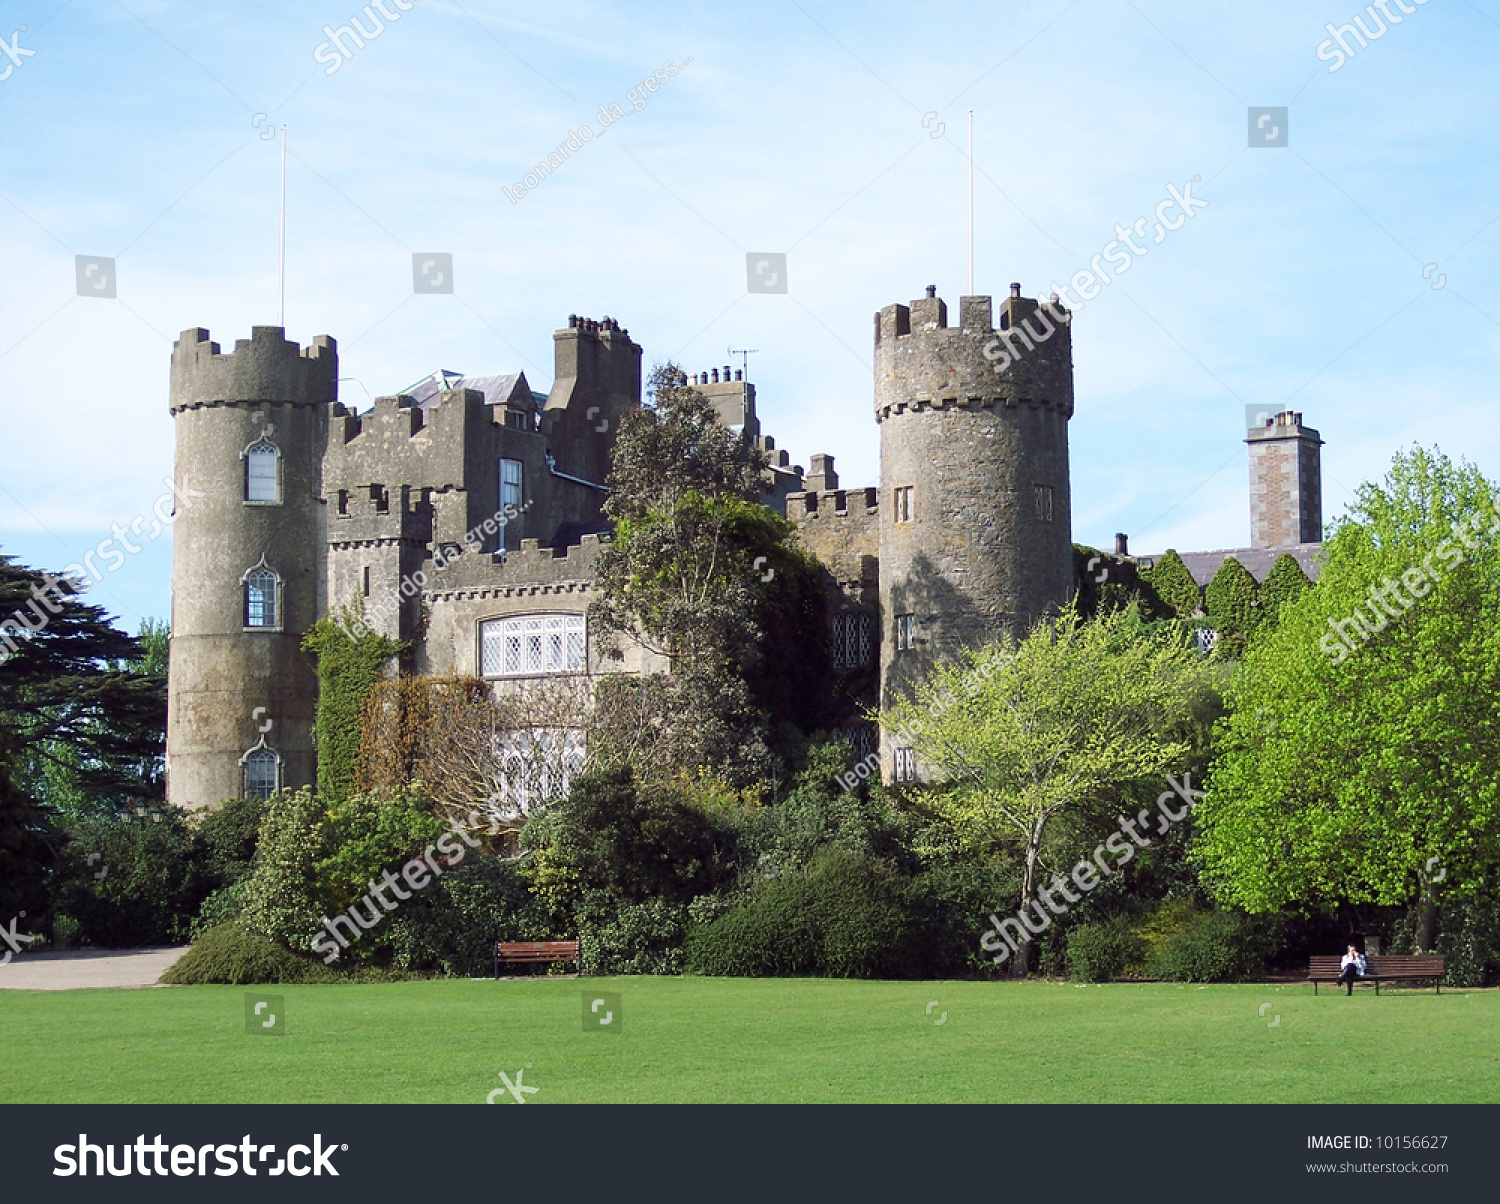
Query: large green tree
[[1034, 737], [701, 573], [79, 720], [1356, 764], [684, 491]]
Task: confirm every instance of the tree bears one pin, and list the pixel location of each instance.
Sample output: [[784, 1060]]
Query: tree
[[1356, 764], [676, 577], [702, 574], [80, 725], [1030, 735]]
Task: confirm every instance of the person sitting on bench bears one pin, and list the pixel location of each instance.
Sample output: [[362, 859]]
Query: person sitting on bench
[[1353, 966]]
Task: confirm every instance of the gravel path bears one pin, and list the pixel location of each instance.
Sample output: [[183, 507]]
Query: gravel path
[[67, 970]]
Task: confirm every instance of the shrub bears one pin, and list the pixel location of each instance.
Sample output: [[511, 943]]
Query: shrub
[[1470, 939], [1201, 946], [65, 931], [845, 916], [282, 899], [454, 925], [639, 938], [368, 834], [1283, 586], [230, 955], [229, 834], [1232, 600], [1173, 583], [753, 941], [1102, 952], [626, 841], [153, 879], [225, 904]]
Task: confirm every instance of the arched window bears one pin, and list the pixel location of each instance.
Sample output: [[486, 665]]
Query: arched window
[[263, 472], [262, 772], [536, 768], [262, 596]]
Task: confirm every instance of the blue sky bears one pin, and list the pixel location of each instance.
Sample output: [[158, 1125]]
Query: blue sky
[[804, 128]]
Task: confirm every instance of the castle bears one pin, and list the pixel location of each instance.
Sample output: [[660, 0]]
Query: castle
[[464, 515]]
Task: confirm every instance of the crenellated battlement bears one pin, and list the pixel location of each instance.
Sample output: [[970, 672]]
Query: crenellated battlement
[[403, 443], [266, 367], [529, 569], [399, 415], [377, 513], [814, 504], [922, 362]]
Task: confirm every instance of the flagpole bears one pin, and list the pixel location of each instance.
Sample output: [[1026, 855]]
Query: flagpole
[[281, 275], [971, 202]]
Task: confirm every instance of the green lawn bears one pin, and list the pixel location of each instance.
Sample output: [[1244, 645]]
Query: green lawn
[[764, 1041]]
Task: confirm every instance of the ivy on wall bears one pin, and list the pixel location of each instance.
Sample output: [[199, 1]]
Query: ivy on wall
[[1174, 586], [1232, 601], [1284, 584], [349, 668]]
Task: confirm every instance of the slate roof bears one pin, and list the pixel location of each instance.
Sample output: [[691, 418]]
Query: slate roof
[[1203, 565]]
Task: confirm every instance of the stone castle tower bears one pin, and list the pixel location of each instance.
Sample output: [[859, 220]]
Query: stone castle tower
[[249, 562], [975, 513]]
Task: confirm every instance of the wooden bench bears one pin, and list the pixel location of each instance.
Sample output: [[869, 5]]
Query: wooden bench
[[518, 952], [1383, 968]]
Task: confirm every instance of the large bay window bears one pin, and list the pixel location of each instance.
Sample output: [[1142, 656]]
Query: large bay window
[[532, 646]]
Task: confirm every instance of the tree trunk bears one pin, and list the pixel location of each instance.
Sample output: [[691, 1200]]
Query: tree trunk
[[1426, 929], [1028, 893]]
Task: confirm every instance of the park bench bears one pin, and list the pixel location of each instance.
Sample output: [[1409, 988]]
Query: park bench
[[521, 952], [1384, 968]]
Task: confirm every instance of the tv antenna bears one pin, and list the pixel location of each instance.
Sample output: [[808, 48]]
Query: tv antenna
[[744, 353]]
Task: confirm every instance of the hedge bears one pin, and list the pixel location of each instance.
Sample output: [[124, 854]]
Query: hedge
[[230, 955]]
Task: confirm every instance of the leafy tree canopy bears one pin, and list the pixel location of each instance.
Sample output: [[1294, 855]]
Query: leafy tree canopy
[[1356, 764], [1033, 736]]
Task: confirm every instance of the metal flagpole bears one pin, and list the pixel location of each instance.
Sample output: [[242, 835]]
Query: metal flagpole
[[971, 202], [282, 270]]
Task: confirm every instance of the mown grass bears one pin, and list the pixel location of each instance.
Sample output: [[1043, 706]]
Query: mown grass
[[764, 1041]]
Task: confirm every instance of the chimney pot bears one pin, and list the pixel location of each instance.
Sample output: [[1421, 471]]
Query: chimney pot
[[932, 290], [1122, 544], [1015, 288]]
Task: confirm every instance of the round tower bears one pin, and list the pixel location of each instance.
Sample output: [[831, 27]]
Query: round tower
[[975, 512], [248, 563]]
